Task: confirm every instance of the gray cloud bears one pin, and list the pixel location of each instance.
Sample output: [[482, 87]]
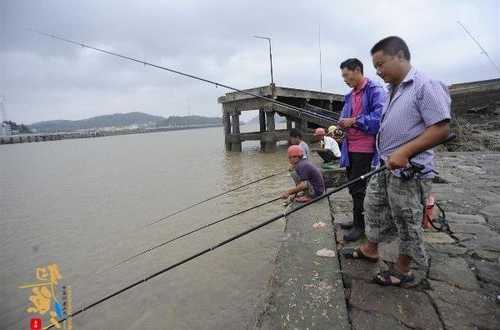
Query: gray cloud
[[44, 79]]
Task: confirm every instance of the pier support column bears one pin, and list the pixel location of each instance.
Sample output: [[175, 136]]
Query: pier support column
[[269, 137], [288, 123], [235, 140], [262, 127], [301, 125], [226, 120]]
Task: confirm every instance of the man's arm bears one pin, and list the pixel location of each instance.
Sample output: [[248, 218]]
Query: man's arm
[[301, 186], [430, 137]]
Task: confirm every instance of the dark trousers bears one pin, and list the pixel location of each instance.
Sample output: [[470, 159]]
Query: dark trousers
[[359, 164], [327, 155]]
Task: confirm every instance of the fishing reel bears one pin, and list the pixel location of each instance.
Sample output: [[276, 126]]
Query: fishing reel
[[414, 170]]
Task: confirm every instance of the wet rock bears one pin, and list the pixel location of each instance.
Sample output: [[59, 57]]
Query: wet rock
[[486, 242], [438, 238], [362, 320], [409, 307], [464, 218], [306, 291], [449, 249], [485, 255], [492, 213], [462, 309], [488, 272], [359, 269], [454, 271], [479, 230], [471, 169]]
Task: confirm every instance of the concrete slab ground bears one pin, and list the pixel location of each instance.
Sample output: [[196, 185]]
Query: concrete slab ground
[[457, 290], [306, 291]]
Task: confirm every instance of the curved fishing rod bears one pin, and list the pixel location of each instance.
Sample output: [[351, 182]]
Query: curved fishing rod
[[202, 227], [218, 245], [298, 110], [194, 231], [244, 233], [213, 197]]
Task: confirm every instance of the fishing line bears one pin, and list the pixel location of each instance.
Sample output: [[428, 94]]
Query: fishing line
[[213, 197], [194, 231], [297, 110], [241, 234], [199, 228], [218, 245]]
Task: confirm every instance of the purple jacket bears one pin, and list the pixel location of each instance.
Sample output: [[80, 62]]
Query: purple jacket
[[374, 97]]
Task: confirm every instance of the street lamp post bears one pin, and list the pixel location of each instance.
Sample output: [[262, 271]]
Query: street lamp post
[[270, 55]]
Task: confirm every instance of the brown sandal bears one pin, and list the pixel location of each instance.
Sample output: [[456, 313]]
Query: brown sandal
[[385, 278]]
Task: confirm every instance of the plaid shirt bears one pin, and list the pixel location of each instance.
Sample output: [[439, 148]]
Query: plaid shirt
[[418, 103]]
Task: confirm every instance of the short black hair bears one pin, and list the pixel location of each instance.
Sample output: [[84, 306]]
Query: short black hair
[[352, 64], [295, 133], [392, 45]]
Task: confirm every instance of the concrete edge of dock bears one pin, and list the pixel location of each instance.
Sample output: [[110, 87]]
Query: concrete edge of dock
[[306, 290]]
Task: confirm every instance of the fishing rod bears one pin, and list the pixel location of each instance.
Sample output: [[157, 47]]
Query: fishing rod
[[241, 234], [220, 244], [483, 51], [199, 228], [213, 197], [194, 231], [298, 110]]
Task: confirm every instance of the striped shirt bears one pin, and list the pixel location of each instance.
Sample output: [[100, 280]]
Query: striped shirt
[[418, 102]]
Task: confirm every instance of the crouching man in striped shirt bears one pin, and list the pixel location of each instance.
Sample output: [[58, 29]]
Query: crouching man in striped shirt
[[415, 117]]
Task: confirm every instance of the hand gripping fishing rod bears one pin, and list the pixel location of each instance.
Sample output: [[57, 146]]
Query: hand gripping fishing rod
[[244, 233], [298, 110]]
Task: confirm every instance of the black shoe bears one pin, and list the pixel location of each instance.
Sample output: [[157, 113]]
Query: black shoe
[[354, 234], [347, 225]]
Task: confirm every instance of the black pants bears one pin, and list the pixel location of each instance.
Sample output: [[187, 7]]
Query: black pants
[[327, 155], [359, 164]]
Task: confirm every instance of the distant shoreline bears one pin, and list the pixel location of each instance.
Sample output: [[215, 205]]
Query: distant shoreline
[[40, 137]]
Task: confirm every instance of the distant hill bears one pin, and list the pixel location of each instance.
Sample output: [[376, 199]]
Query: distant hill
[[122, 120], [176, 121], [116, 120]]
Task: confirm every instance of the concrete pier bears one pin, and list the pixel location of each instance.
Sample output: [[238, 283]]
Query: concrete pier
[[306, 291], [474, 101], [319, 108], [40, 137]]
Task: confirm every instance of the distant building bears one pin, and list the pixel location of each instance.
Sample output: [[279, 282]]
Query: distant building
[[5, 129]]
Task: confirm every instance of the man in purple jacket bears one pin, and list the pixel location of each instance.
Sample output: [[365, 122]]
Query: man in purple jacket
[[361, 119]]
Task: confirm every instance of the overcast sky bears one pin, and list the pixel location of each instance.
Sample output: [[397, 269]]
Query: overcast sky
[[45, 79]]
